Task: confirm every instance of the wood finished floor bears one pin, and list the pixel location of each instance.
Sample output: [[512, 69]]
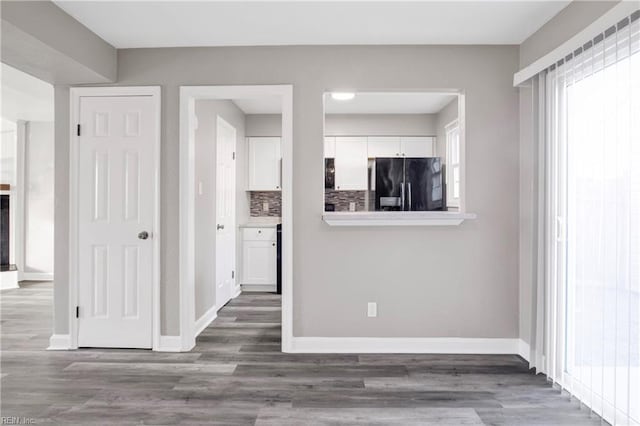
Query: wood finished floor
[[237, 375]]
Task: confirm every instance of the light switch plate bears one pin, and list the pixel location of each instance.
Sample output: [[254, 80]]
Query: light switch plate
[[372, 309], [265, 207], [352, 206]]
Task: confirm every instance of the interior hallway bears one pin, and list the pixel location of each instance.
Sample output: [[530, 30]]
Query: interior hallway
[[236, 375]]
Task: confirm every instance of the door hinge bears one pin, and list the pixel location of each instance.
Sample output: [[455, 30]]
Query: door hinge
[[233, 156], [233, 274], [77, 311], [78, 130]]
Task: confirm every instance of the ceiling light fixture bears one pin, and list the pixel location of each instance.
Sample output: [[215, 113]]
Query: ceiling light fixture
[[342, 96]]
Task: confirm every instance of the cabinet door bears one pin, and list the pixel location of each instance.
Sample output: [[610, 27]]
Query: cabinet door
[[417, 146], [329, 147], [383, 146], [351, 163], [264, 164], [259, 262]]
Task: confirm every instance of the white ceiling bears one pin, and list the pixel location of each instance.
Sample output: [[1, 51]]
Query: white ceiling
[[389, 103], [130, 24], [24, 97]]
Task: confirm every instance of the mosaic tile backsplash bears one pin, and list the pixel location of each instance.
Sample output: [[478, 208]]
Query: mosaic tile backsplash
[[257, 200], [342, 199]]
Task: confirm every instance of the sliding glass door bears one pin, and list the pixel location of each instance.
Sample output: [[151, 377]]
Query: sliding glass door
[[593, 332]]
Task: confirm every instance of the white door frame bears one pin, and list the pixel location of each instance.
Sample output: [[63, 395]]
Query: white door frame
[[75, 94], [188, 96]]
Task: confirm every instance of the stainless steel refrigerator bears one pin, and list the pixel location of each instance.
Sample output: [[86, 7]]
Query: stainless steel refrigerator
[[409, 184]]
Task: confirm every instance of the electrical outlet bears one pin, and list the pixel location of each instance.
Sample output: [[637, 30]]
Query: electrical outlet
[[372, 309], [352, 206], [265, 207]]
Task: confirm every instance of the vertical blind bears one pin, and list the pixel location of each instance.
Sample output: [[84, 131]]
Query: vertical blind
[[590, 115]]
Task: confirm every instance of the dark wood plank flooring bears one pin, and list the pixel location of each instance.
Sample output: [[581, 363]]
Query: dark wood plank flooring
[[237, 375]]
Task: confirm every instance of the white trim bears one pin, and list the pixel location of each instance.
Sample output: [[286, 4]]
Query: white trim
[[206, 319], [259, 288], [8, 280], [426, 345], [59, 342], [36, 276], [18, 211], [75, 94], [169, 344], [609, 18], [188, 95], [435, 218], [523, 349]]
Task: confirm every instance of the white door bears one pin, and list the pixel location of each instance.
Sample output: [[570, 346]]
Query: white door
[[351, 163], [417, 146], [225, 211], [116, 207], [264, 164]]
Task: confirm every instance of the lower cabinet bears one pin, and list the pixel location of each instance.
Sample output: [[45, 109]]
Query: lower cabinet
[[259, 259]]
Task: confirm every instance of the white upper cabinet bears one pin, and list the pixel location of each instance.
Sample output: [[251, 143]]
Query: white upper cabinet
[[417, 146], [264, 164], [329, 147], [351, 163], [383, 146], [400, 146]]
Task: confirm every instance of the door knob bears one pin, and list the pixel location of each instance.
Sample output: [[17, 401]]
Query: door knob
[[143, 235], [218, 227]]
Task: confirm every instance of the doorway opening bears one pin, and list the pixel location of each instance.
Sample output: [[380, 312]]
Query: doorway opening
[[235, 201], [26, 180]]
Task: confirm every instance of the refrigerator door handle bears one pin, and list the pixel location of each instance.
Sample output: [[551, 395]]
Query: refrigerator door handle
[[409, 193], [402, 195]]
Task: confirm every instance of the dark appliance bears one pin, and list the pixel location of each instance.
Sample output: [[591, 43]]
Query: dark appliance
[[409, 184], [4, 232], [279, 259], [329, 207], [329, 173]]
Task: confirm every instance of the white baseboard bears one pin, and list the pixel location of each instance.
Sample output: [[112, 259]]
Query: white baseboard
[[237, 292], [36, 276], [205, 320], [169, 344], [259, 287], [425, 345], [524, 350], [8, 280], [59, 342]]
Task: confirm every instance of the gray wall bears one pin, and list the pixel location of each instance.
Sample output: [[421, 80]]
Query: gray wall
[[380, 125], [263, 124], [205, 204], [567, 23], [353, 125], [444, 117], [473, 268], [41, 39], [38, 214]]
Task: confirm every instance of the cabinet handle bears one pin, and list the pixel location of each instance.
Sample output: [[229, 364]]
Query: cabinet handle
[[273, 244], [259, 232]]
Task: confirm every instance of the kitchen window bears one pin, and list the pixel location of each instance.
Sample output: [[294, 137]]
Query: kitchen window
[[453, 164], [385, 154]]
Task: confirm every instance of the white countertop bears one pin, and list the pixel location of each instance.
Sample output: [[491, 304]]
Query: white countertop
[[364, 218], [261, 222]]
